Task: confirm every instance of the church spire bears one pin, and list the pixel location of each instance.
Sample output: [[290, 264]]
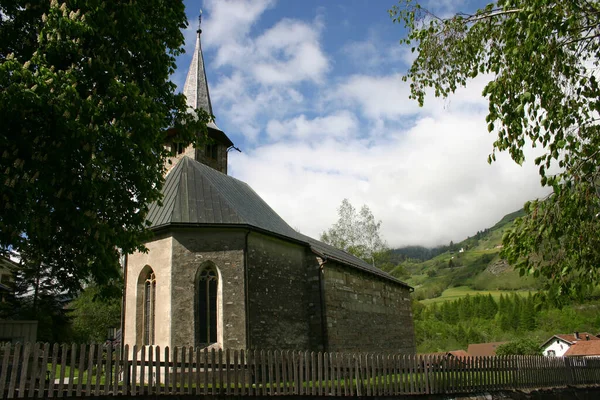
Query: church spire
[[196, 85]]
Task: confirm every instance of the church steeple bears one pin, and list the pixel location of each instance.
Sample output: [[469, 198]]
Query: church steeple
[[196, 85], [197, 95]]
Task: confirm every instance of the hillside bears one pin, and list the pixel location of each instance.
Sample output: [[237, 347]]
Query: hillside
[[465, 267]]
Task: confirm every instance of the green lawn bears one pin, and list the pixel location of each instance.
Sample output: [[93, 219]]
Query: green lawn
[[461, 291]]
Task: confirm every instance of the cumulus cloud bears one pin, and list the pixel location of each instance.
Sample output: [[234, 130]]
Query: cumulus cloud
[[429, 184], [342, 124], [312, 137]]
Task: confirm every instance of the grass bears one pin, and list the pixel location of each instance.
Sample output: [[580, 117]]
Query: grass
[[461, 291]]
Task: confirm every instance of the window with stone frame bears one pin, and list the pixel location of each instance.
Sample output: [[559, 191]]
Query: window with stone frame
[[149, 304], [207, 282]]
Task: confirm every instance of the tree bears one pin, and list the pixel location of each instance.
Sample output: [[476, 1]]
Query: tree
[[85, 105], [356, 233], [524, 347], [39, 296], [93, 314], [540, 56]]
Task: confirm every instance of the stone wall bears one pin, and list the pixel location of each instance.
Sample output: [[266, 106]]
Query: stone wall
[[158, 258], [219, 163], [284, 307], [366, 313], [224, 248]]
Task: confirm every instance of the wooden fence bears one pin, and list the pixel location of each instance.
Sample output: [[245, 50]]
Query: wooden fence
[[41, 370]]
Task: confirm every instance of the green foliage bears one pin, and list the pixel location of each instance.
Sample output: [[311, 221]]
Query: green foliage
[[85, 103], [523, 347], [38, 296], [93, 314], [540, 55], [358, 234], [487, 318]]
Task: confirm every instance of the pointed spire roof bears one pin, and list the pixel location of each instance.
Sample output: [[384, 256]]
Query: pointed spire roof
[[195, 88]]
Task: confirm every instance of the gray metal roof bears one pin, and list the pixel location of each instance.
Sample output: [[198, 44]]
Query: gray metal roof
[[195, 194]]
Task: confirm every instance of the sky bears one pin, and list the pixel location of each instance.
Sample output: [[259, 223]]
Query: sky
[[312, 93]]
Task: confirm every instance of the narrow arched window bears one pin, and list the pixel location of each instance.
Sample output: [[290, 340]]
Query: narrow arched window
[[206, 306], [149, 307]]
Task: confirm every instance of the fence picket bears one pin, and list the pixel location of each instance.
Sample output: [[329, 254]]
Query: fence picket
[[220, 371], [345, 366], [142, 389], [198, 371], [227, 361], [72, 370], [251, 372], [126, 370], [181, 373], [243, 372], [269, 381], [277, 367], [167, 353], [99, 366], [4, 373], [206, 370], [34, 361], [14, 371], [156, 374], [150, 370], [213, 362], [190, 376], [82, 351]]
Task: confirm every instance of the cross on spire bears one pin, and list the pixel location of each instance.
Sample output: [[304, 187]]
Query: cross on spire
[[199, 22]]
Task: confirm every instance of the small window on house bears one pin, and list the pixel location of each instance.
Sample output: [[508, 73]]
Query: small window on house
[[211, 151], [551, 353]]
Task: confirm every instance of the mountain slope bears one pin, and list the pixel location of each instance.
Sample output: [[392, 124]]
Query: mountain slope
[[473, 263]]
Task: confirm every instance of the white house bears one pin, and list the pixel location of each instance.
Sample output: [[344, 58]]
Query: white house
[[558, 345]]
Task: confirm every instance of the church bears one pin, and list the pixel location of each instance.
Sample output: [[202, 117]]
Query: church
[[224, 271]]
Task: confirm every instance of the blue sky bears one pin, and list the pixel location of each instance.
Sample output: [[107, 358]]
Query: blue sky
[[311, 91]]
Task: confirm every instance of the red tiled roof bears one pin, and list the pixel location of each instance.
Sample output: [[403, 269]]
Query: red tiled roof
[[483, 349], [584, 348], [570, 338]]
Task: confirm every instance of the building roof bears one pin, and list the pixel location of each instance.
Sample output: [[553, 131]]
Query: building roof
[[571, 338], [483, 349], [196, 91], [584, 348], [196, 195]]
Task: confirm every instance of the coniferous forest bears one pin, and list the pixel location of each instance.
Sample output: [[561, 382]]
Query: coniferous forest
[[452, 325]]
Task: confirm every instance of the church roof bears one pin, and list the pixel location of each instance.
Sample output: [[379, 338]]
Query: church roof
[[196, 91], [196, 195]]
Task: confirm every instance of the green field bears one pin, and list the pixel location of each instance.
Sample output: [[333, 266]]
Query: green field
[[461, 291]]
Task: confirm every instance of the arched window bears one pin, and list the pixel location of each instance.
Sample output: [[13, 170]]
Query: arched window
[[149, 306], [206, 305]]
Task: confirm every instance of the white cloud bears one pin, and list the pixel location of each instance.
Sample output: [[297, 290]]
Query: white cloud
[[387, 97], [264, 68], [340, 125], [429, 184]]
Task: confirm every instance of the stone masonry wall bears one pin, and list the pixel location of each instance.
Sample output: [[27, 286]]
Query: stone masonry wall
[[225, 248], [366, 313], [283, 305], [158, 258]]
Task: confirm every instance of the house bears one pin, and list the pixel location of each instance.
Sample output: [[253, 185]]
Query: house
[[483, 349], [224, 271], [558, 345], [589, 348]]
